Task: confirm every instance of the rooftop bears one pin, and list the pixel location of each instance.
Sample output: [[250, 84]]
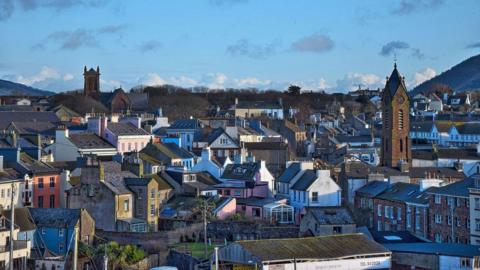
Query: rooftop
[[125, 129]]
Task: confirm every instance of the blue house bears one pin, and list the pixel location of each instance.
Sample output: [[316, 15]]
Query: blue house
[[55, 228]]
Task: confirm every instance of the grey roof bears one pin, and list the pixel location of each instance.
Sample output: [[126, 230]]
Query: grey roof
[[289, 173], [185, 124], [267, 145], [55, 217], [331, 215], [446, 153], [125, 129], [400, 192], [373, 188], [245, 171], [7, 117], [253, 201], [89, 141], [424, 126], [458, 189], [114, 177], [396, 237], [136, 181], [323, 247], [469, 128], [456, 250], [354, 139], [305, 181], [395, 82]]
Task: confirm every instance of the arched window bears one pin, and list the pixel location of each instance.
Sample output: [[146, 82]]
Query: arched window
[[400, 119], [401, 145]]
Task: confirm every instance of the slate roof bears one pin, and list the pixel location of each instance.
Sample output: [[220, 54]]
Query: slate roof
[[245, 171], [185, 124], [22, 218], [289, 173], [305, 181], [457, 189], [400, 192], [266, 145], [395, 81], [55, 217], [125, 129], [114, 177], [469, 128], [447, 249], [373, 188], [6, 117], [354, 139], [331, 215], [35, 166], [260, 202], [424, 126], [391, 237], [136, 181], [321, 248], [89, 141], [446, 153]]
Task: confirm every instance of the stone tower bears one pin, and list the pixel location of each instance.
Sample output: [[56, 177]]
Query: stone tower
[[91, 86], [396, 145]]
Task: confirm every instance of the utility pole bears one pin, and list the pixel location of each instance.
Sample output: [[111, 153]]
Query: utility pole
[[105, 259], [75, 248], [12, 226], [216, 258], [205, 229]]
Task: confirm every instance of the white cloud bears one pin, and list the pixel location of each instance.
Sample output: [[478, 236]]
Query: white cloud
[[354, 79], [423, 75], [251, 82], [44, 74], [68, 77], [214, 80], [152, 79]]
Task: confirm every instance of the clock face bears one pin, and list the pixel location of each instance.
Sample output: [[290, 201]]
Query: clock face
[[400, 99]]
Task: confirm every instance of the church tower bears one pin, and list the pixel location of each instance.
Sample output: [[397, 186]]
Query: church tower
[[91, 86], [396, 145]]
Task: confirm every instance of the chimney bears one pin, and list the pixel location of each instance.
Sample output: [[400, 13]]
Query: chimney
[[101, 174], [206, 154]]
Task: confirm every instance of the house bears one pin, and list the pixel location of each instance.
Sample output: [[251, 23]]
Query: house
[[449, 212], [21, 248], [55, 229], [346, 251], [268, 209], [146, 203], [102, 192], [208, 163], [219, 142], [10, 180], [474, 213], [244, 179], [289, 176], [433, 256], [252, 109], [160, 155], [314, 188], [322, 221], [274, 153], [187, 130], [68, 147]]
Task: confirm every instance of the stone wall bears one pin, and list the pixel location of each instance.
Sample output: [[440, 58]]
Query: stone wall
[[218, 231]]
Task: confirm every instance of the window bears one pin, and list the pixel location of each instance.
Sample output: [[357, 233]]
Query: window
[[386, 211], [8, 193], [477, 224], [52, 201], [129, 146], [379, 210], [408, 217], [40, 201], [459, 202], [458, 222], [465, 262], [152, 209], [40, 182], [52, 182], [379, 225], [477, 203], [227, 192], [60, 232], [401, 145], [438, 218], [399, 213], [43, 231], [3, 193], [126, 205], [315, 196], [238, 193], [438, 199], [438, 237], [152, 193], [449, 220], [400, 119], [450, 201], [304, 196], [256, 212], [60, 247], [467, 221], [337, 229]]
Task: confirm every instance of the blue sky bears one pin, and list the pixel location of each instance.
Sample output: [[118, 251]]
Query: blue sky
[[331, 45]]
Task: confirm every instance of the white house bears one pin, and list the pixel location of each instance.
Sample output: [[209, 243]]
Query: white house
[[315, 188], [207, 164]]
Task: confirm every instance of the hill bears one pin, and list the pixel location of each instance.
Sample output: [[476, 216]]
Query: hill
[[462, 77], [8, 88]]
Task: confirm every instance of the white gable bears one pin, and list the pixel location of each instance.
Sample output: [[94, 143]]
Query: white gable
[[223, 141]]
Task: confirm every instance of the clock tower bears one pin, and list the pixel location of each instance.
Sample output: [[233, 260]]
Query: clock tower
[[396, 145]]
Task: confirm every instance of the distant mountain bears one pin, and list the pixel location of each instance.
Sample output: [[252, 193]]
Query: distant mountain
[[12, 88], [462, 77]]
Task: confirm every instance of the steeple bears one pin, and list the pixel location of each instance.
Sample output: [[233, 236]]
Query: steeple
[[91, 86]]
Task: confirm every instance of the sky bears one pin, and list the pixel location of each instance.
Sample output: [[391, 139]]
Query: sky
[[335, 45]]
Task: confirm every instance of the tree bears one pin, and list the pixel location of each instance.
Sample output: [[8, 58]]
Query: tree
[[120, 256], [205, 207], [294, 90]]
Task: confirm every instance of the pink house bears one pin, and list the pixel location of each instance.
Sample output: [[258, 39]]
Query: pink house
[[225, 208], [126, 135]]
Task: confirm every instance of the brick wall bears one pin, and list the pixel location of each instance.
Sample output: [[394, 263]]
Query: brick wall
[[392, 222], [442, 208]]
